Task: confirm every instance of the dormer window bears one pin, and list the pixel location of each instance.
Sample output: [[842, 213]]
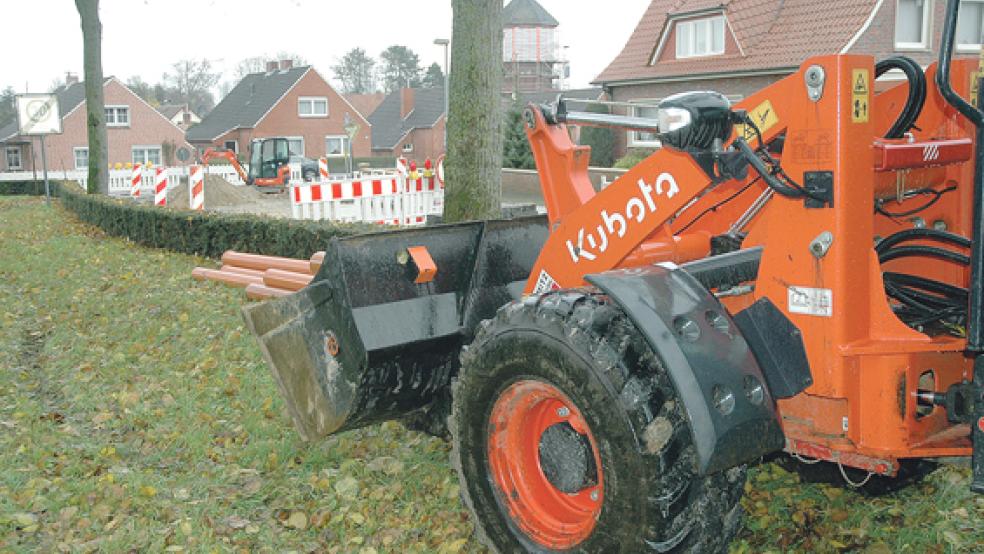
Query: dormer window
[[700, 37]]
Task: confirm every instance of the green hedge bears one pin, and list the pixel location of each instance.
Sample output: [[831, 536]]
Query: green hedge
[[204, 234], [26, 188]]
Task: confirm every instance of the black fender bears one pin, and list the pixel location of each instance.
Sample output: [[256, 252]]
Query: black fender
[[732, 414]]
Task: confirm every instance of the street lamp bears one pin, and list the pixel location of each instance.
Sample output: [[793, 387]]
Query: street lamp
[[447, 91]]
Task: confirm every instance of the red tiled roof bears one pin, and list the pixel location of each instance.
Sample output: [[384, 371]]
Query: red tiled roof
[[771, 34]]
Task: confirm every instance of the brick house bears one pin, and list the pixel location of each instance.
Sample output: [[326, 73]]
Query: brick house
[[409, 123], [136, 133], [737, 47], [284, 101]]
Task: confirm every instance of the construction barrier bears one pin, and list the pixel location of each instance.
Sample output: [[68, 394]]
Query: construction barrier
[[404, 198], [136, 179], [196, 188], [160, 188], [323, 168]]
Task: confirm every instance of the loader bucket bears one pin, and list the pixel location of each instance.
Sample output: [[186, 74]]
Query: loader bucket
[[364, 343]]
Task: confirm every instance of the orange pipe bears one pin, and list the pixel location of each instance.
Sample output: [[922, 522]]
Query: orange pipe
[[257, 291], [231, 279], [262, 263], [285, 279], [242, 271], [316, 260]]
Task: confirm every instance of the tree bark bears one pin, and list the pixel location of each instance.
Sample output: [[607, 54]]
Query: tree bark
[[474, 158], [94, 102]]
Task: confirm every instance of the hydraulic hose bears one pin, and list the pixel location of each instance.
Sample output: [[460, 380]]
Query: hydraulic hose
[[923, 251], [917, 93], [921, 234]]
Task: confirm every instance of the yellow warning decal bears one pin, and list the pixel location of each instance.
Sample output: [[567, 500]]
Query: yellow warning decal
[[860, 95], [764, 116], [974, 77]]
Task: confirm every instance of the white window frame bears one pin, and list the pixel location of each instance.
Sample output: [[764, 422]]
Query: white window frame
[[631, 140], [312, 100], [116, 108], [692, 23], [20, 158], [145, 148], [968, 46], [235, 145], [927, 15], [296, 139], [407, 147], [345, 146], [75, 156]]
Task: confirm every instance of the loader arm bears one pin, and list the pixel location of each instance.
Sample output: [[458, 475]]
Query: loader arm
[[629, 223]]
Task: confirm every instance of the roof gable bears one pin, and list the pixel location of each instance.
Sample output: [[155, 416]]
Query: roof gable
[[388, 128], [771, 34], [247, 103], [528, 13]]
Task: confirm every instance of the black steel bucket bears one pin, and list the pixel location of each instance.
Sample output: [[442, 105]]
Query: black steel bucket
[[363, 343]]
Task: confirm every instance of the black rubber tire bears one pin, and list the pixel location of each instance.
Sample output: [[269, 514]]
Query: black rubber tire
[[910, 473], [581, 343], [309, 175]]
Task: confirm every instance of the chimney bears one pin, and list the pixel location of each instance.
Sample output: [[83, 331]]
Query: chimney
[[271, 66], [286, 64], [70, 78], [406, 102]]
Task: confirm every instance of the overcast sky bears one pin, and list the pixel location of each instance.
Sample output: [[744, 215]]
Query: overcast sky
[[42, 39]]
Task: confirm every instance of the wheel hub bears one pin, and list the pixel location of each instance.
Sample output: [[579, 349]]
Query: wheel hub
[[565, 458], [544, 464]]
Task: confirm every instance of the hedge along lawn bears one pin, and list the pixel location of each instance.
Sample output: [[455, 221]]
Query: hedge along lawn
[[135, 412]]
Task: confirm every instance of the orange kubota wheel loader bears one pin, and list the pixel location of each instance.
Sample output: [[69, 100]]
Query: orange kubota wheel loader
[[800, 273]]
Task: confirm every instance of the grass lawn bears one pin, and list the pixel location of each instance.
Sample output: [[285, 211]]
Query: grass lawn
[[136, 413]]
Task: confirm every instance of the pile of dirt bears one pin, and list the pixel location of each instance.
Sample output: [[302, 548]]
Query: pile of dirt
[[218, 192]]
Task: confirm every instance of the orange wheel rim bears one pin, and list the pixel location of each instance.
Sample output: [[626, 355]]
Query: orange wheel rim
[[546, 514]]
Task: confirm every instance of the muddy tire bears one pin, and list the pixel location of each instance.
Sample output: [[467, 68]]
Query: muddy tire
[[568, 437], [911, 472]]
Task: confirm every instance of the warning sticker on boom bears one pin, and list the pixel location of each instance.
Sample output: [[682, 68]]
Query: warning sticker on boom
[[811, 301], [860, 95], [764, 116], [545, 283]]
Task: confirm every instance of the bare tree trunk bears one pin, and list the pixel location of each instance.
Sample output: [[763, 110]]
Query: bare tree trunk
[[94, 102], [474, 159]]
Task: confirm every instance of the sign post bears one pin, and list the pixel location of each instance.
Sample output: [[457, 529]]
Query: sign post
[[38, 114], [351, 129]]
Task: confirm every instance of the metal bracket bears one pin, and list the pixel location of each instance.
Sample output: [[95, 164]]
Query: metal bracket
[[821, 244], [815, 77], [820, 185]]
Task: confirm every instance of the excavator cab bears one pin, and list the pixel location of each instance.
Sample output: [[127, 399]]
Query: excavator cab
[[266, 157]]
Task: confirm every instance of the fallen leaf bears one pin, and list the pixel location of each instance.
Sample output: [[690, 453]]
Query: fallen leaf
[[236, 522], [347, 487], [297, 520]]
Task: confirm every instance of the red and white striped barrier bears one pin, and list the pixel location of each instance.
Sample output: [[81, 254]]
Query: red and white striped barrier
[[160, 188], [136, 178], [196, 187], [323, 168], [391, 200]]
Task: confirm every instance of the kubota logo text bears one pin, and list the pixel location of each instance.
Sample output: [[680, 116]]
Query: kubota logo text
[[590, 244]]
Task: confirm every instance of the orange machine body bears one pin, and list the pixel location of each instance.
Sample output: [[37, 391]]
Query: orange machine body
[[861, 409]]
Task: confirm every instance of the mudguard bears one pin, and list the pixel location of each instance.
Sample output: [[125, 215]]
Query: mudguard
[[732, 414]]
